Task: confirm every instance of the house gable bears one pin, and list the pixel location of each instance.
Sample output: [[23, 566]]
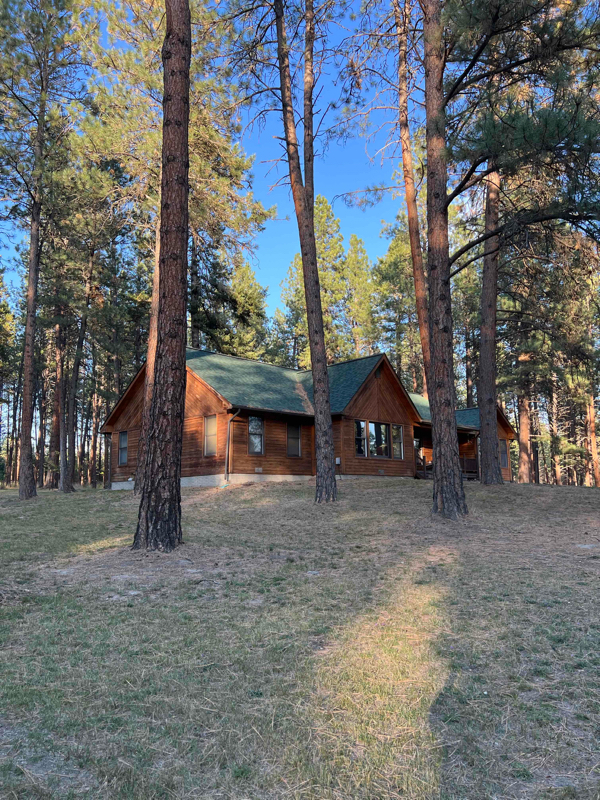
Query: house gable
[[382, 397], [200, 400]]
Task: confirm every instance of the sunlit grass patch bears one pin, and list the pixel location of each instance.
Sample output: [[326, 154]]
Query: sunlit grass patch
[[358, 650], [368, 717]]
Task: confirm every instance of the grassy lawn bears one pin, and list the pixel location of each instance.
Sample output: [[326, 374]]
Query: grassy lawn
[[287, 650]]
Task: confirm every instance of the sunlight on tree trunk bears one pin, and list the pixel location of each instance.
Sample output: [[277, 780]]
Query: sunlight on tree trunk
[[448, 492], [159, 521]]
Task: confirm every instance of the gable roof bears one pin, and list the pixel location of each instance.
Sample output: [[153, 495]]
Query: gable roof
[[254, 384], [466, 418]]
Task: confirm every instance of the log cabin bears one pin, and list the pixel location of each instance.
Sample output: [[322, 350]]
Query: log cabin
[[250, 421]]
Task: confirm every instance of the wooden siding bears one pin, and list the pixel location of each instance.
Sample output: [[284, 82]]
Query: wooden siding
[[370, 465], [200, 401], [275, 460], [381, 399], [127, 471]]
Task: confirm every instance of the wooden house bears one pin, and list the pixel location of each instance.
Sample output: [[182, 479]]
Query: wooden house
[[467, 425], [249, 421]]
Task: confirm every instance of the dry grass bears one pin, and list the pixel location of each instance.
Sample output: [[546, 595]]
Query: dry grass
[[360, 650]]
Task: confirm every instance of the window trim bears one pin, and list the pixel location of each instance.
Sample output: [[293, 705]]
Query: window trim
[[287, 440], [365, 453], [389, 427], [205, 454], [401, 426], [262, 419], [120, 449]]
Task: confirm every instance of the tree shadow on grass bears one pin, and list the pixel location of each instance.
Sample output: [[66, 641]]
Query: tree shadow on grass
[[518, 715], [341, 652]]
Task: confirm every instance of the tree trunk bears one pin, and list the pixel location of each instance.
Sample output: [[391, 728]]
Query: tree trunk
[[554, 437], [194, 294], [402, 19], [63, 477], [54, 445], [159, 521], [85, 431], [26, 470], [535, 449], [41, 431], [72, 397], [592, 439], [487, 395], [448, 492], [524, 437], [14, 437], [469, 367], [149, 372], [93, 459], [303, 195]]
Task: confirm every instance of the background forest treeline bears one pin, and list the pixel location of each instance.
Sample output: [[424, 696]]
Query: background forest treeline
[[80, 139]]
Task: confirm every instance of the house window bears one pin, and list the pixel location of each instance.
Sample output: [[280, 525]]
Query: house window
[[379, 439], [398, 441], [210, 435], [293, 440], [503, 446], [122, 448], [256, 436], [360, 435]]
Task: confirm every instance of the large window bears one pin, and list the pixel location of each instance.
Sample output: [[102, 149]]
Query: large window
[[293, 440], [256, 436], [210, 435], [379, 439], [122, 448], [503, 447], [360, 436], [398, 441]]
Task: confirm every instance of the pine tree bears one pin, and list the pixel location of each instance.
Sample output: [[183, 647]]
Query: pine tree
[[159, 521]]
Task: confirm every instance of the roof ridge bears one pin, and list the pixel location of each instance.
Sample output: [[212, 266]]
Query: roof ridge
[[359, 358], [241, 358], [280, 366]]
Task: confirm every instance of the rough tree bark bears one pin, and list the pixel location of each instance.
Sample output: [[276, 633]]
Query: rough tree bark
[[26, 470], [303, 195], [159, 520], [487, 396], [524, 437], [448, 492], [593, 443], [469, 366], [402, 19], [149, 372]]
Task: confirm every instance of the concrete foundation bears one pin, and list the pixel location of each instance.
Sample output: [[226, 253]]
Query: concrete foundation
[[218, 480]]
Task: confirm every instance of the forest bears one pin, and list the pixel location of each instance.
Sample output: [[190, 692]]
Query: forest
[[487, 114]]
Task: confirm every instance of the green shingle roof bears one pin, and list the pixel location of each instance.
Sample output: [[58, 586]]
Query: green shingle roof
[[253, 384], [422, 405], [465, 417], [468, 418]]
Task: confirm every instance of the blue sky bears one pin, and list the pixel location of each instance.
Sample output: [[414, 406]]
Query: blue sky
[[343, 168]]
